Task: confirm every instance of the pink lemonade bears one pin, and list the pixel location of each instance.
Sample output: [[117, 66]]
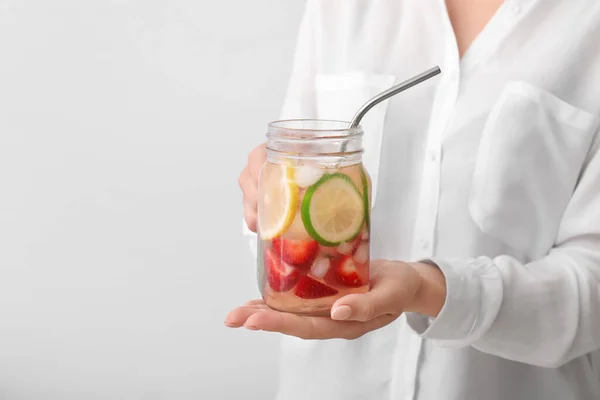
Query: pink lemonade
[[313, 235]]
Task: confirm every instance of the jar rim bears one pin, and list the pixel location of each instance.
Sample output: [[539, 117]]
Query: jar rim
[[315, 129], [309, 139]]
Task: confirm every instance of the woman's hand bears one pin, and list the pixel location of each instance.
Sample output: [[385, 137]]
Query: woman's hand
[[248, 182], [396, 287]]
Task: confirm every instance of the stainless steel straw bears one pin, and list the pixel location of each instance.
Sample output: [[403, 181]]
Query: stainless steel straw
[[407, 84]]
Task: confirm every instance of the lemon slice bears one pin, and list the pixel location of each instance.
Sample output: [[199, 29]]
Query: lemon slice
[[278, 202], [333, 210]]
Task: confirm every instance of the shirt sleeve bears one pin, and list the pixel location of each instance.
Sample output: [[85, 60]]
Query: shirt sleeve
[[544, 313], [299, 100]]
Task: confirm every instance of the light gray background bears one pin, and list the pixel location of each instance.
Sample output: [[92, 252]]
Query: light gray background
[[123, 128]]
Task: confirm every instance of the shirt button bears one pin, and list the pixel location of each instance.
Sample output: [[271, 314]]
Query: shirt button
[[424, 244], [432, 156], [515, 9]]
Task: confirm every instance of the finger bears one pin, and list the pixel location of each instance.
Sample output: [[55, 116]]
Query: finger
[[384, 298], [362, 307], [256, 302], [249, 187], [312, 327], [250, 191], [256, 159], [250, 217], [294, 325], [238, 316], [244, 176]]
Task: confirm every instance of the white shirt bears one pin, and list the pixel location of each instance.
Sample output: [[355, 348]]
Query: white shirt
[[492, 171]]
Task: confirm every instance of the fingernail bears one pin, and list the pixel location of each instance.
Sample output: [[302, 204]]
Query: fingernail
[[227, 323], [251, 327], [341, 312]]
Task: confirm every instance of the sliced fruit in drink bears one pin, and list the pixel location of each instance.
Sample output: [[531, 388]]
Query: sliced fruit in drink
[[345, 272], [366, 189], [281, 277], [309, 288], [279, 201], [332, 210], [296, 252]]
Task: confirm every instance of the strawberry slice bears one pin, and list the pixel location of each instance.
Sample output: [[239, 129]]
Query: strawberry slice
[[281, 277], [296, 252], [345, 271], [309, 288]]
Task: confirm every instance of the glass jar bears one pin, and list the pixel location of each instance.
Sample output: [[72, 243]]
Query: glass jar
[[314, 200]]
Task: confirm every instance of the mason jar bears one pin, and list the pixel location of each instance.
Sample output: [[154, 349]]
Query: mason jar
[[314, 200]]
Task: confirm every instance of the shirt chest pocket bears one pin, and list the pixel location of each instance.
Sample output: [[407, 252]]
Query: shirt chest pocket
[[531, 153], [339, 96]]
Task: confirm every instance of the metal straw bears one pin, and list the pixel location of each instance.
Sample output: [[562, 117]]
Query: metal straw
[[407, 84]]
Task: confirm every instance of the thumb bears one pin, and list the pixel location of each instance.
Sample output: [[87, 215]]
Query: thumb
[[382, 299]]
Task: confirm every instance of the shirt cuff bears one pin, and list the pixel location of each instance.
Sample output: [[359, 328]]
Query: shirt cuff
[[473, 298]]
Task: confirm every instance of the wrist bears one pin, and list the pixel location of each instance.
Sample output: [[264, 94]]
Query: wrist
[[431, 294]]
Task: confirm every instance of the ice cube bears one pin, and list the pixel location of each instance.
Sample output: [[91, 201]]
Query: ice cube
[[329, 251], [320, 267], [306, 175], [345, 248], [361, 255]]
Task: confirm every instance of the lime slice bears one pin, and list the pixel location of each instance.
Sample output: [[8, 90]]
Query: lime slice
[[333, 210], [278, 200], [366, 200]]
